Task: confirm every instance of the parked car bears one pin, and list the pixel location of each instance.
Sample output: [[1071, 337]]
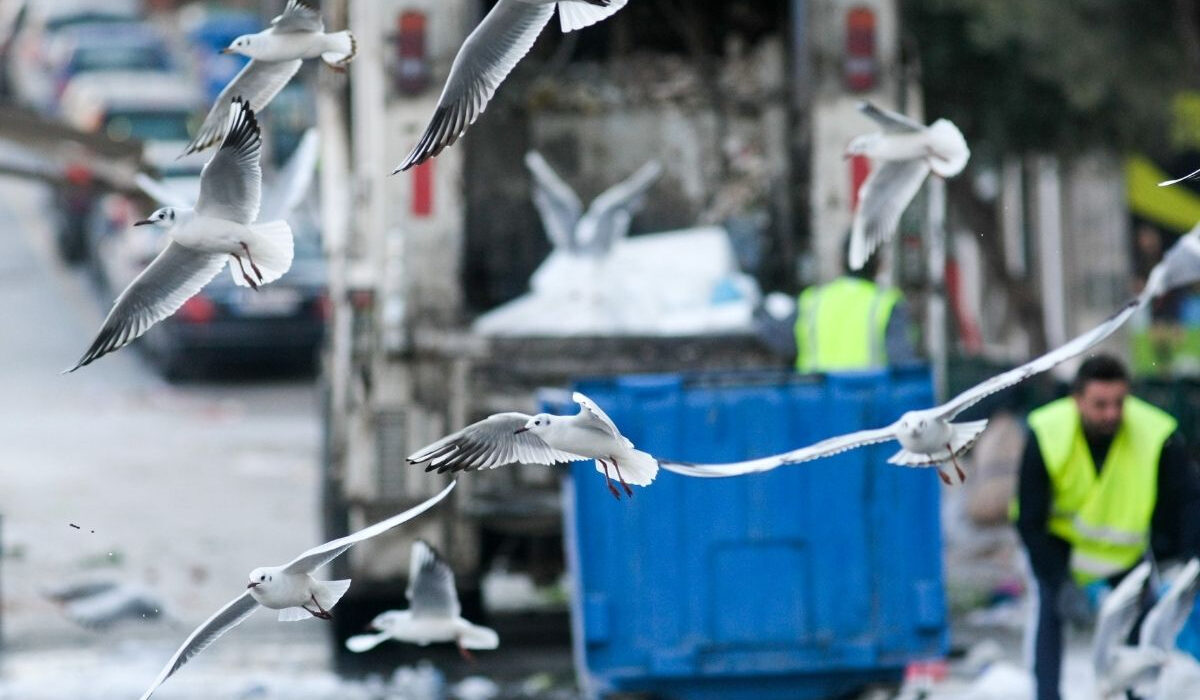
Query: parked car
[[121, 48], [152, 107], [37, 26]]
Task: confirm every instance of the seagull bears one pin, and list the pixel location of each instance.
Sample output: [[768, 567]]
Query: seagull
[[433, 614], [487, 57], [100, 604], [1116, 665], [908, 150], [290, 589], [607, 219], [203, 239], [517, 438], [929, 437], [275, 55]]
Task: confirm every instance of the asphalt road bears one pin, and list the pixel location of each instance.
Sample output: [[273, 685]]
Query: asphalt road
[[112, 472]]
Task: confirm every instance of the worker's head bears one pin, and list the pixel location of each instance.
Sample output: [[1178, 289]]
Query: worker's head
[[869, 270], [1099, 389]]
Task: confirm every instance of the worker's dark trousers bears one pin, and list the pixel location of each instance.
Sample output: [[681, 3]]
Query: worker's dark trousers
[[1048, 640]]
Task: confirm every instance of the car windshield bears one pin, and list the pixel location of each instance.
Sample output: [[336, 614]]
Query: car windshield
[[106, 58], [147, 125]]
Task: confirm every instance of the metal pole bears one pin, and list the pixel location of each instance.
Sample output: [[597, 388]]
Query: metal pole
[[935, 244]]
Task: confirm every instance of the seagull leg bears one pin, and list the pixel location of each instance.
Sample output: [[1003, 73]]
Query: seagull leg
[[322, 612], [628, 491], [249, 280], [252, 265], [608, 480], [464, 653], [962, 476]]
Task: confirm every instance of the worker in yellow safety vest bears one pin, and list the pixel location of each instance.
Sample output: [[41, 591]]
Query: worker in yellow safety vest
[[1104, 480], [852, 323]]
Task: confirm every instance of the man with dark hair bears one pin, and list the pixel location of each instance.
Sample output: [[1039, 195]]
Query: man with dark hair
[[852, 323], [1105, 476]]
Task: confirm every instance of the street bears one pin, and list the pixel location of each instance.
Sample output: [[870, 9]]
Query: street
[[111, 472]]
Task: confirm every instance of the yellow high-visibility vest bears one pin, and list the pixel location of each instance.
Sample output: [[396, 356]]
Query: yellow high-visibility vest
[[842, 325], [1106, 519]]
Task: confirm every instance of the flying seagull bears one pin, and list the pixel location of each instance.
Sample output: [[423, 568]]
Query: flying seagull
[[290, 589], [220, 229], [487, 57], [929, 437], [517, 438], [433, 614], [1116, 664], [905, 152], [607, 219], [275, 55]]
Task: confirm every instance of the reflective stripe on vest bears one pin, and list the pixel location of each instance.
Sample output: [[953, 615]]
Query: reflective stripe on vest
[[1107, 519], [842, 325]]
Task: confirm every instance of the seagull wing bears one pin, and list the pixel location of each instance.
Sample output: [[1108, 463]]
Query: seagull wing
[[598, 417], [889, 120], [221, 622], [490, 443], [292, 182], [321, 555], [577, 14], [1168, 616], [824, 448], [1076, 346], [1180, 266], [431, 591], [556, 202], [231, 183], [486, 58], [173, 277], [258, 82], [161, 192], [608, 217], [298, 17], [882, 199], [1118, 613]]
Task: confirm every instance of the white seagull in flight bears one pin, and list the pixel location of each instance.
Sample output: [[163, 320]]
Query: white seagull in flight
[[290, 589], [433, 615], [517, 438], [905, 152], [219, 230], [487, 57], [275, 55]]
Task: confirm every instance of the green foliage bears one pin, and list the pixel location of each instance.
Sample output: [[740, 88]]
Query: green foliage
[[1050, 75]]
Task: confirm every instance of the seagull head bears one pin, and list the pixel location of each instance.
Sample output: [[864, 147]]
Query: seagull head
[[913, 424], [164, 218], [535, 425], [261, 578], [244, 45]]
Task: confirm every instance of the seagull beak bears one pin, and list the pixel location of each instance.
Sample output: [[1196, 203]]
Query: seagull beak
[[143, 222], [252, 584], [518, 431]]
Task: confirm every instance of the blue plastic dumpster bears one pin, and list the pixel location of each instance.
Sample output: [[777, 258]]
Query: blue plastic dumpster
[[805, 582]]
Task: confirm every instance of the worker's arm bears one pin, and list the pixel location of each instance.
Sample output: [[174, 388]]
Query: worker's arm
[[1048, 554], [1177, 515]]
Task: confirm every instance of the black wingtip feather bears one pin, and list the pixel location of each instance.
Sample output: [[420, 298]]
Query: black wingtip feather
[[243, 132]]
